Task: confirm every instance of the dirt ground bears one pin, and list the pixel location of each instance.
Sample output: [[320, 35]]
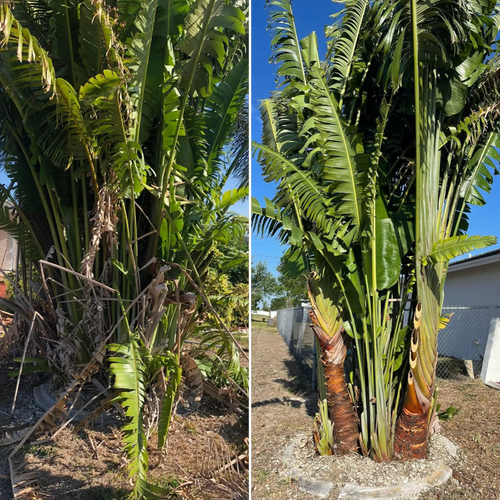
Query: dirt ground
[[283, 406], [90, 464]]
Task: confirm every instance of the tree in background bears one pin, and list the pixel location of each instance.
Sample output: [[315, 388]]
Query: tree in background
[[264, 285], [227, 283], [292, 290]]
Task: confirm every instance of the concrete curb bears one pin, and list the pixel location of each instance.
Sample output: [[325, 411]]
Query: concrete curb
[[315, 487], [399, 491]]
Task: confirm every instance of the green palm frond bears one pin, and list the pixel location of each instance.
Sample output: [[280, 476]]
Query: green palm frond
[[285, 43], [57, 102], [129, 369], [478, 176], [266, 220], [346, 44], [20, 44], [205, 43], [223, 107], [298, 187], [449, 248], [344, 163]]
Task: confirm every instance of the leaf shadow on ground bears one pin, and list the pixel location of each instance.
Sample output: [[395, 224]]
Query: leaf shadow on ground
[[56, 486], [299, 384]]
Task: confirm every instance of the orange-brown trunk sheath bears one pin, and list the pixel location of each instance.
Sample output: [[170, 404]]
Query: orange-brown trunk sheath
[[340, 407], [412, 427]]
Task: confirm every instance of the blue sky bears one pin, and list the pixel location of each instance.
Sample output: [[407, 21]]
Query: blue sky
[[313, 15]]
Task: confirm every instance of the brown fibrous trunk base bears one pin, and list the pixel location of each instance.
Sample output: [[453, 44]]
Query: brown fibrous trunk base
[[342, 413], [410, 440]]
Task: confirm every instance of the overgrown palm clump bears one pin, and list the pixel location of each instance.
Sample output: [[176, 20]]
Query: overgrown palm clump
[[120, 125], [378, 152]]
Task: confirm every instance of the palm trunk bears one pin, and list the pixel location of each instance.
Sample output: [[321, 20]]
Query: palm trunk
[[412, 427], [340, 406]]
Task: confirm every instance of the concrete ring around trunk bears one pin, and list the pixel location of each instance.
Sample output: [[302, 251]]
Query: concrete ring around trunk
[[400, 491], [438, 476], [315, 487]]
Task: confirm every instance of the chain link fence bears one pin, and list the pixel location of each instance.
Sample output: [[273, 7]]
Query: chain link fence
[[461, 345]]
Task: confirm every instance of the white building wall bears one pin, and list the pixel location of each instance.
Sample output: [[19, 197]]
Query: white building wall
[[475, 286], [466, 335]]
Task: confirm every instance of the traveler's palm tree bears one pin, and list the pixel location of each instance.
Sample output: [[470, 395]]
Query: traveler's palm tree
[[119, 127], [375, 176]]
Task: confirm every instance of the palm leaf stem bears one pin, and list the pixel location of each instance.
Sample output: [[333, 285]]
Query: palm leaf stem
[[164, 176], [142, 90], [85, 215], [418, 153], [76, 225], [70, 42]]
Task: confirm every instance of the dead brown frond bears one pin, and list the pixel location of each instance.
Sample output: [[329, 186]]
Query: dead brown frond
[[22, 483], [194, 379], [13, 437], [103, 221], [229, 479]]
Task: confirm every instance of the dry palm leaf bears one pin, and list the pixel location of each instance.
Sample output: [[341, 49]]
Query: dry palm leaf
[[193, 376], [21, 482], [13, 437], [59, 412]]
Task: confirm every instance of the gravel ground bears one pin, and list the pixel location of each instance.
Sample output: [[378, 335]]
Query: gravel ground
[[280, 419]]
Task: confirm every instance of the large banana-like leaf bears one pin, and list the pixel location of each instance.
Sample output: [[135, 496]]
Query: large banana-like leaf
[[140, 47], [387, 253], [205, 43], [285, 41], [449, 248], [346, 44], [344, 163], [222, 109]]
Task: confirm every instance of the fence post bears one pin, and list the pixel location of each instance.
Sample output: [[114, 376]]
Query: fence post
[[491, 362], [302, 330]]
